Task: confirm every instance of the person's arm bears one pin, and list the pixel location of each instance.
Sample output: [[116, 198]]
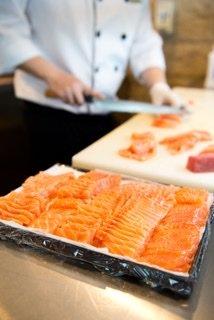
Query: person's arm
[[148, 63], [151, 76], [59, 82], [160, 92], [16, 45], [17, 49]]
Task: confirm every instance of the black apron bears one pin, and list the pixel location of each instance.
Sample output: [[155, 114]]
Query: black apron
[[54, 136]]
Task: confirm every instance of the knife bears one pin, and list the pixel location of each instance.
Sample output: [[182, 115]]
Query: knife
[[127, 106]]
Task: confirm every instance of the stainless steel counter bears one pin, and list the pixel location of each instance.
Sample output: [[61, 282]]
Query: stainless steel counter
[[37, 286]]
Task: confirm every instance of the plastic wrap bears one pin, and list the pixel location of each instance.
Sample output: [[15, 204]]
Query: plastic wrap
[[113, 266]]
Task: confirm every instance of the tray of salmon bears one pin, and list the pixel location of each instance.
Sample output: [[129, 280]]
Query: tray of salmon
[[155, 233]]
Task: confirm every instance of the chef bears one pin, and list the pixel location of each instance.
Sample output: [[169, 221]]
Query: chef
[[83, 46], [80, 48]]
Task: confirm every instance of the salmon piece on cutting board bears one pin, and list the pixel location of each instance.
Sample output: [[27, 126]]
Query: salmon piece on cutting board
[[185, 141], [143, 147], [167, 121]]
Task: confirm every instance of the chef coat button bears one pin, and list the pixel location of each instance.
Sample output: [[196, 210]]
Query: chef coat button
[[123, 36], [116, 68], [96, 69], [97, 33]]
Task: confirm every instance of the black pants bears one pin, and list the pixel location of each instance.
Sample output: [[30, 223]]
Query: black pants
[[54, 136]]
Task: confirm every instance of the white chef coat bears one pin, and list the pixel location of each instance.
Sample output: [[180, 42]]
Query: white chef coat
[[91, 39]]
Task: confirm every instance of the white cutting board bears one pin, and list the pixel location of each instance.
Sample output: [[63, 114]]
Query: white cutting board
[[164, 167]]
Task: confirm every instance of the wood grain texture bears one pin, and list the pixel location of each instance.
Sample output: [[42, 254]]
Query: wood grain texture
[[5, 80], [186, 50]]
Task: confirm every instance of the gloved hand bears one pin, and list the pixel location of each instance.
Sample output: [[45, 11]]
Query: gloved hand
[[161, 93]]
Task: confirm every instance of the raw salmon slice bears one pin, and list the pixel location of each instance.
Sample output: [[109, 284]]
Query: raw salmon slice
[[101, 206], [167, 121], [50, 220], [189, 195], [185, 141], [86, 218], [63, 203], [89, 184], [131, 225], [45, 184], [174, 261], [172, 247], [21, 207], [189, 213], [175, 240], [77, 232], [143, 147], [142, 136], [177, 237]]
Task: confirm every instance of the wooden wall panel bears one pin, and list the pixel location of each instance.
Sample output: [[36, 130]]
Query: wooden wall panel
[[186, 50]]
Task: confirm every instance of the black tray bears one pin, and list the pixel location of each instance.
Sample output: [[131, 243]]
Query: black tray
[[160, 280]]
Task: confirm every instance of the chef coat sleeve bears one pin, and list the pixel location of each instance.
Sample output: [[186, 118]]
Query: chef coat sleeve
[[16, 45], [146, 51]]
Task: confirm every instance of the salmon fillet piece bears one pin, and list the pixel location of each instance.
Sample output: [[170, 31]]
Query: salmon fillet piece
[[63, 203], [50, 220], [167, 121], [172, 247], [143, 147], [74, 218], [76, 233], [45, 184], [185, 141], [89, 184], [132, 222], [175, 240], [190, 195], [21, 207], [187, 212], [79, 227]]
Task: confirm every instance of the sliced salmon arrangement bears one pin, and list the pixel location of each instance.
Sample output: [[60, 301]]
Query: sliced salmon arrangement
[[143, 147], [185, 141], [146, 222], [167, 121], [87, 185], [133, 220], [44, 183], [175, 240], [204, 162], [21, 207]]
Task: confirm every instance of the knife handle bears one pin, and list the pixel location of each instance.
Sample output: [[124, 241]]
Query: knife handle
[[88, 98], [50, 94]]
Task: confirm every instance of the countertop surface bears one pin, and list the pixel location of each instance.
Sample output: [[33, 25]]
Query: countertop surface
[[34, 285]]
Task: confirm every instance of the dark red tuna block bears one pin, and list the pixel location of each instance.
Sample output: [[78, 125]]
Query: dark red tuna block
[[201, 163]]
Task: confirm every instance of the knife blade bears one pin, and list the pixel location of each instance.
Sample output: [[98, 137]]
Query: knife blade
[[126, 106]]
